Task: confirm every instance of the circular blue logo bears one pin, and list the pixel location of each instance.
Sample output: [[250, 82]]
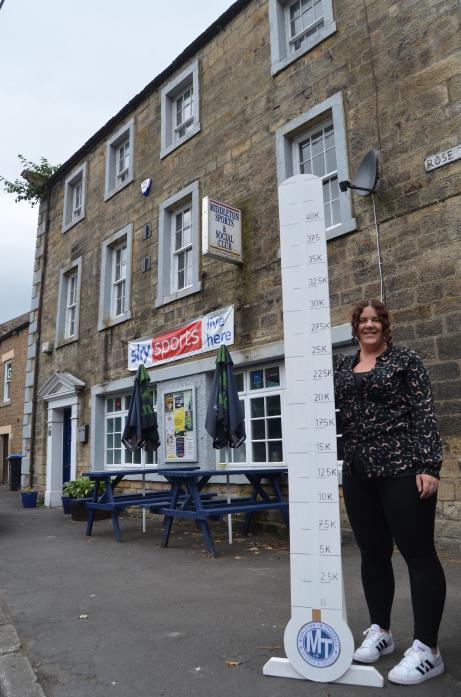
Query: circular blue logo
[[318, 644]]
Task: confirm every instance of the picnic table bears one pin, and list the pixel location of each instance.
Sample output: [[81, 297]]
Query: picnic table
[[112, 502], [264, 496], [185, 499]]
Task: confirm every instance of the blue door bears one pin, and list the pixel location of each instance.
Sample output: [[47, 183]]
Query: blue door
[[66, 441]]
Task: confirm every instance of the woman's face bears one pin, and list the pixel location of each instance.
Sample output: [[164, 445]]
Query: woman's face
[[370, 329]]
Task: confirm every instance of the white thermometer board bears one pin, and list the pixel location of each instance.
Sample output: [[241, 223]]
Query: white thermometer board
[[318, 642]]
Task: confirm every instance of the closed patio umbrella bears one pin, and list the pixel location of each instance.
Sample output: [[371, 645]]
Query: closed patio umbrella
[[224, 418], [141, 430]]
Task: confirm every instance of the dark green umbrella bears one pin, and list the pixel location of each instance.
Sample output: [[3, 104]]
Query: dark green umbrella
[[224, 418], [141, 430]]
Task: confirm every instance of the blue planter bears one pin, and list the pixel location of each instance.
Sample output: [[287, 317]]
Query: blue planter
[[29, 499], [66, 504]]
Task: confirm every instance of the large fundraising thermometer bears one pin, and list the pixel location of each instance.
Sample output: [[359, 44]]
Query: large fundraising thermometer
[[318, 642]]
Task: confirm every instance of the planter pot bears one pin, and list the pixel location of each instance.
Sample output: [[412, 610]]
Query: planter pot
[[66, 504], [79, 512], [29, 499]]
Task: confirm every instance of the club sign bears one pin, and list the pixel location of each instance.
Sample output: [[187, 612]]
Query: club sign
[[221, 231]]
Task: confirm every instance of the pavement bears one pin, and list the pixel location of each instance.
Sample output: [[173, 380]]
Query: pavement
[[87, 617]]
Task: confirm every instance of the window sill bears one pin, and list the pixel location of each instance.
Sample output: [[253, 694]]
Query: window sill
[[169, 148], [5, 404], [112, 192], [68, 226], [349, 225], [165, 300], [281, 64], [107, 323], [65, 342]]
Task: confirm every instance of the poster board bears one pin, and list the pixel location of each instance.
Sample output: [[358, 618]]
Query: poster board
[[180, 427]]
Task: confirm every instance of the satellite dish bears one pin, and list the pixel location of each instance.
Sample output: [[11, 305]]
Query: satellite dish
[[365, 181]]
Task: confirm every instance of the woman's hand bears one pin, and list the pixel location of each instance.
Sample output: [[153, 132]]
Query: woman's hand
[[427, 485]]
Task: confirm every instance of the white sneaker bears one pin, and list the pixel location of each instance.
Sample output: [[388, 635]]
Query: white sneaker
[[376, 643], [417, 665]]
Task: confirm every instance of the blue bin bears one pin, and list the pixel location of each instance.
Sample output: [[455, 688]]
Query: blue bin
[[15, 461]]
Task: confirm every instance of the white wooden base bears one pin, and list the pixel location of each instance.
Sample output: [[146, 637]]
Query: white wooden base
[[355, 675]]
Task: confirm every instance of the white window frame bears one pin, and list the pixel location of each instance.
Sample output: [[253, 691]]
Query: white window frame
[[125, 454], [71, 306], [71, 214], [116, 179], [329, 175], [170, 137], [118, 278], [184, 251], [107, 317], [167, 291], [64, 309], [292, 132], [282, 51], [246, 395], [7, 379]]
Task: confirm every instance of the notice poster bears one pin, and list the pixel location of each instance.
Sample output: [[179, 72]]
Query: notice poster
[[180, 435]]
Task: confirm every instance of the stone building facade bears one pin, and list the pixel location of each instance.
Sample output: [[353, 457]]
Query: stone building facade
[[13, 355], [271, 89]]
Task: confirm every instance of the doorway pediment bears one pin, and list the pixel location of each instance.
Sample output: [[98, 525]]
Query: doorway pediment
[[60, 385]]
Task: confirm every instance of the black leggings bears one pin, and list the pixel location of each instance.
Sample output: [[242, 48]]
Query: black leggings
[[384, 510]]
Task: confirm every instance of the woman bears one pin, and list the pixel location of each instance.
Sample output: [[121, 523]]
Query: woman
[[392, 458]]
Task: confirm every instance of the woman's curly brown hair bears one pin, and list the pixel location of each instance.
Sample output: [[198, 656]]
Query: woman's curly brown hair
[[381, 311]]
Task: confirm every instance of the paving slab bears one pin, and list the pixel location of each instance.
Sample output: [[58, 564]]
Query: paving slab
[[97, 618], [17, 678]]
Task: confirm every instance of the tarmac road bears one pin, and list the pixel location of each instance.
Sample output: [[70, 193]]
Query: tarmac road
[[101, 619]]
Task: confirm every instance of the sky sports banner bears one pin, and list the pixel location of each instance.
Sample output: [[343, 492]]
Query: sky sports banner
[[199, 336]]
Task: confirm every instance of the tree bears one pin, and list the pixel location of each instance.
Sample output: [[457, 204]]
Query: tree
[[32, 186]]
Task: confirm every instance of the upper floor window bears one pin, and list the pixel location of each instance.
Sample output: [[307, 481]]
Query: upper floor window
[[314, 152], [296, 26], [315, 143], [71, 305], [115, 284], [118, 257], [68, 313], [181, 223], [119, 160], [178, 259], [123, 162], [305, 19], [184, 111], [74, 198], [7, 377], [180, 109]]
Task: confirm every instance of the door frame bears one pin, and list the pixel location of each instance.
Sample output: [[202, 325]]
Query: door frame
[[60, 390]]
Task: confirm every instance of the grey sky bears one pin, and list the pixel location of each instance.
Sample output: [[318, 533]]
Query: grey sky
[[66, 68]]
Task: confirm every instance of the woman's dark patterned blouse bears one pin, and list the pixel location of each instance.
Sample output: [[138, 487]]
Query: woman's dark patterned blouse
[[389, 424]]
